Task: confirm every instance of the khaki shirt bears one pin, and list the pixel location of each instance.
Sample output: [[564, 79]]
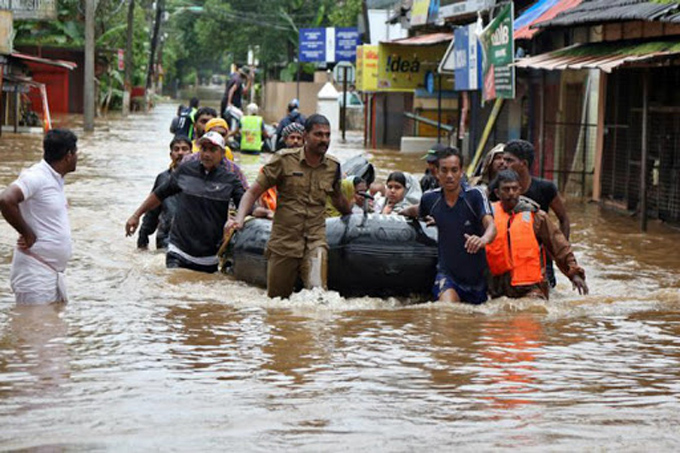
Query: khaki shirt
[[299, 221]]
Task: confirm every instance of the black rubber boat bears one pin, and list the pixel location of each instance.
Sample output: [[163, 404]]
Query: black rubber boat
[[369, 255]]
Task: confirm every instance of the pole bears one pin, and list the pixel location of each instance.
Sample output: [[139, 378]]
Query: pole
[[541, 155], [152, 54], [127, 89], [643, 161], [439, 108], [297, 96], [344, 101], [88, 95]]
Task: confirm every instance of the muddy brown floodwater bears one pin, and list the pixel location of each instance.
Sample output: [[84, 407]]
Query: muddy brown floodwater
[[147, 358]]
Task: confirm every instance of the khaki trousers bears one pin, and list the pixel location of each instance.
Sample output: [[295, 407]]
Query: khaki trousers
[[283, 271]]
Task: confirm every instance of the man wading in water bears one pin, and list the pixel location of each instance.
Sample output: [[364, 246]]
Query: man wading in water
[[465, 223], [304, 177], [204, 189], [35, 205]]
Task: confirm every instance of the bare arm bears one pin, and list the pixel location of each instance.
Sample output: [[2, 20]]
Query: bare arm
[[230, 95], [151, 202], [9, 205], [245, 206], [474, 244], [557, 205], [410, 211]]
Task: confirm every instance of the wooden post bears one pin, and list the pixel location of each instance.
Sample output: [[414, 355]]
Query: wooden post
[[645, 150], [88, 95]]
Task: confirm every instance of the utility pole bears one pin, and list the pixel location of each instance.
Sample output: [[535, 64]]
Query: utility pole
[[88, 95], [154, 43], [127, 89]]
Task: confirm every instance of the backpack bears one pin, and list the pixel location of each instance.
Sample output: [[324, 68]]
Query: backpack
[[185, 122]]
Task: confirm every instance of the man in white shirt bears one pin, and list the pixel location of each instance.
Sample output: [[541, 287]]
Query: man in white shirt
[[35, 205]]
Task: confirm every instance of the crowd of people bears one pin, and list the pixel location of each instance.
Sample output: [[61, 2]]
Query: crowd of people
[[495, 237]]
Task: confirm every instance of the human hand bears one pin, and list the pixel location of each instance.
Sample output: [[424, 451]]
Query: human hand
[[473, 243], [26, 241], [579, 284], [429, 221], [231, 226], [131, 225]]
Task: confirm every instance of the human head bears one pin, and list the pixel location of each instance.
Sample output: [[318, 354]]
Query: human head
[[180, 109], [252, 109], [317, 135], [180, 146], [212, 149], [507, 188], [60, 146], [293, 105], [218, 125], [518, 155], [193, 103], [292, 135], [493, 163], [360, 187], [396, 187], [203, 115], [450, 169], [432, 156], [377, 187]]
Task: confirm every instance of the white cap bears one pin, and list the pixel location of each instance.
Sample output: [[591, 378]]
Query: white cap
[[213, 137]]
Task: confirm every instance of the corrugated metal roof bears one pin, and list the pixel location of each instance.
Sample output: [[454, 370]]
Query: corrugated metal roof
[[604, 56], [423, 40], [602, 11], [60, 63], [542, 10]]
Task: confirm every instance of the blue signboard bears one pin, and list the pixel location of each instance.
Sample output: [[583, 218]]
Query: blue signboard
[[330, 45], [312, 45], [466, 58], [346, 41]]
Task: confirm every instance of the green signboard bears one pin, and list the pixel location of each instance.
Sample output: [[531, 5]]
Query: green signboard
[[498, 49]]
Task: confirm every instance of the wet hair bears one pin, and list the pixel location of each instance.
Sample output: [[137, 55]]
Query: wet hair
[[521, 149], [206, 111], [193, 102], [57, 144], [315, 120], [506, 175], [178, 139], [397, 176], [448, 152], [356, 180]]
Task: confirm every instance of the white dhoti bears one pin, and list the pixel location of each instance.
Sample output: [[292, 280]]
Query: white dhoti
[[34, 281]]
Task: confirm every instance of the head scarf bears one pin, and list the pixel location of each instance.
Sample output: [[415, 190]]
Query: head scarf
[[292, 127], [216, 122]]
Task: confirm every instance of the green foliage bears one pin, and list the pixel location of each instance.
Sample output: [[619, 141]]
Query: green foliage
[[222, 33], [345, 13]]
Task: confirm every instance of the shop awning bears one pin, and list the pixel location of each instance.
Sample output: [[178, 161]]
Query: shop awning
[[35, 59], [431, 39], [605, 56], [542, 10]]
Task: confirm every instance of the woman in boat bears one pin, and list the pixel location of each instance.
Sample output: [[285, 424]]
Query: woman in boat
[[397, 187]]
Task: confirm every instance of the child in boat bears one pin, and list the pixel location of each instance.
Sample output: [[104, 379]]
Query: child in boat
[[397, 187]]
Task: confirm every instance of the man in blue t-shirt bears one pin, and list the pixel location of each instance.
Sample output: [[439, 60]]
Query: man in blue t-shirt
[[465, 223]]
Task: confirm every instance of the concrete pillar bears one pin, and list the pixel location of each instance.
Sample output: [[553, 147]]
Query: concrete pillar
[[328, 106]]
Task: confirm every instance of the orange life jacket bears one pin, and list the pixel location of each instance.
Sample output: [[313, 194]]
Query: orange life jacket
[[268, 199], [515, 248]]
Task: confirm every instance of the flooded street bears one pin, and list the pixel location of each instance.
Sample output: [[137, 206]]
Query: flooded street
[[147, 358]]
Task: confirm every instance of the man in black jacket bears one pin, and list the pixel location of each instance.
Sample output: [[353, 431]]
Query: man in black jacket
[[204, 189], [294, 116], [159, 220]]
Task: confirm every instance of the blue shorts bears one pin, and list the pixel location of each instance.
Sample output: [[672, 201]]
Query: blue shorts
[[471, 295]]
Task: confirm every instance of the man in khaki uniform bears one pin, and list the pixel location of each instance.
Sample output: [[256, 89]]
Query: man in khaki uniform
[[304, 177]]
